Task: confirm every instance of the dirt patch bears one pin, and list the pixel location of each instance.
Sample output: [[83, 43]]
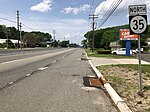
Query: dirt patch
[[125, 81]]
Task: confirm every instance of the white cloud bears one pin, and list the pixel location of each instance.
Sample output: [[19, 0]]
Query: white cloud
[[76, 22], [122, 9], [44, 6], [71, 29], [76, 10], [75, 37]]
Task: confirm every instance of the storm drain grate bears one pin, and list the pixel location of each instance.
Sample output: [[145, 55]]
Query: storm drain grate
[[92, 82]]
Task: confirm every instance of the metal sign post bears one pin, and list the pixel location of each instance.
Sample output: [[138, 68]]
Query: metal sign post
[[138, 25], [140, 67]]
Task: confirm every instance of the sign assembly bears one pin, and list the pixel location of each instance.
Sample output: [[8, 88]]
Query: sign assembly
[[138, 25], [137, 19]]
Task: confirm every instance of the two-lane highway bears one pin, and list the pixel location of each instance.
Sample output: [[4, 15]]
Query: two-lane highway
[[16, 66], [53, 83]]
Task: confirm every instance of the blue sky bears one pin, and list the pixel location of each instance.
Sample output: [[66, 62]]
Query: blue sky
[[70, 18]]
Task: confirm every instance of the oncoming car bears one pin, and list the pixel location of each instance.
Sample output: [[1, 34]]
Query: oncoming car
[[122, 51]]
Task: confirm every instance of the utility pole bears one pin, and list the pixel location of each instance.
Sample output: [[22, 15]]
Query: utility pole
[[18, 27], [54, 32], [64, 38], [20, 36], [93, 17]]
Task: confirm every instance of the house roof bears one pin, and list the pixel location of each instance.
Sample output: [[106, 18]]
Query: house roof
[[12, 40]]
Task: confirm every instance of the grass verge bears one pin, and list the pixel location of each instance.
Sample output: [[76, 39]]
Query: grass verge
[[125, 80], [94, 54]]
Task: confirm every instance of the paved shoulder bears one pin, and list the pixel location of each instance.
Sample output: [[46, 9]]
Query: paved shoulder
[[59, 88], [109, 61]]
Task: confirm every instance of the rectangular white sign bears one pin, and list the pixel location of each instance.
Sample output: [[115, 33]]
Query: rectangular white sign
[[137, 10]]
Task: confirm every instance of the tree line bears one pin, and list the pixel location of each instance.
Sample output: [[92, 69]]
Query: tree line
[[103, 37], [29, 39]]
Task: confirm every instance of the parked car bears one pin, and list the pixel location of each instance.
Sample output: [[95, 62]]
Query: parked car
[[138, 50], [122, 51]]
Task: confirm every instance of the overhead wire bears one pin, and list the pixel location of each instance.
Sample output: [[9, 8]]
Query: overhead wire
[[92, 7], [22, 17], [103, 7], [29, 21], [27, 26], [8, 20], [109, 12]]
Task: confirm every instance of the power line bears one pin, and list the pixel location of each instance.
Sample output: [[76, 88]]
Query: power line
[[29, 20], [103, 7], [8, 20], [27, 26], [92, 7], [110, 12]]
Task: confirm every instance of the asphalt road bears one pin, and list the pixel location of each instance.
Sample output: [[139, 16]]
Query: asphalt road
[[13, 67], [58, 87], [145, 57]]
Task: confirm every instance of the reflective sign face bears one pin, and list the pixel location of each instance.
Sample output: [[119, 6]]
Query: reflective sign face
[[138, 24], [137, 9]]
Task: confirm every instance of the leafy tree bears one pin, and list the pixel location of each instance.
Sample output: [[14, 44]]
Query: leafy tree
[[84, 43], [29, 40], [64, 43], [103, 37], [2, 32]]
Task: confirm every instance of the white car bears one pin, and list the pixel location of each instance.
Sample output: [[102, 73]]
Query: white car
[[122, 51]]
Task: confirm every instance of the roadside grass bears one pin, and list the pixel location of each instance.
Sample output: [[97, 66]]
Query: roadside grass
[[125, 80], [95, 54], [145, 68]]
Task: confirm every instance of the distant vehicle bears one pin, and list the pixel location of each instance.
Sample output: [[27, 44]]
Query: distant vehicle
[[122, 51], [138, 50]]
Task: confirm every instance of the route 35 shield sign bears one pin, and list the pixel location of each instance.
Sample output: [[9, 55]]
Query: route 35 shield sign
[[138, 24]]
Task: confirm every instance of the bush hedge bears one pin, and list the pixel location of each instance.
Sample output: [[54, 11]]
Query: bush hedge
[[99, 51]]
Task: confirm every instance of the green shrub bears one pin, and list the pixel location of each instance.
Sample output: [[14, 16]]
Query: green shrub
[[99, 51], [2, 45]]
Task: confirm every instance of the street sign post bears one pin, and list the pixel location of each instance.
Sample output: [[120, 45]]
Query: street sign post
[[138, 25]]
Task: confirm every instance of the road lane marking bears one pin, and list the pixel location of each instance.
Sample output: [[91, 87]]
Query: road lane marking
[[28, 75], [54, 61], [10, 83], [42, 68], [16, 63]]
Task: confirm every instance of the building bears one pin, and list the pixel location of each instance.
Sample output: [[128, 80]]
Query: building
[[15, 42], [114, 45]]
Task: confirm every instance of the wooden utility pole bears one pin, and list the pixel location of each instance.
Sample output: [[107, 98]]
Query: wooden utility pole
[[54, 32], [93, 17], [20, 37], [18, 27]]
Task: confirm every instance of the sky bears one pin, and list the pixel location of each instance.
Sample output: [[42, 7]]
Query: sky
[[69, 18]]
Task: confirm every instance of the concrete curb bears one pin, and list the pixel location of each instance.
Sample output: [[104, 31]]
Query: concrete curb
[[115, 97]]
